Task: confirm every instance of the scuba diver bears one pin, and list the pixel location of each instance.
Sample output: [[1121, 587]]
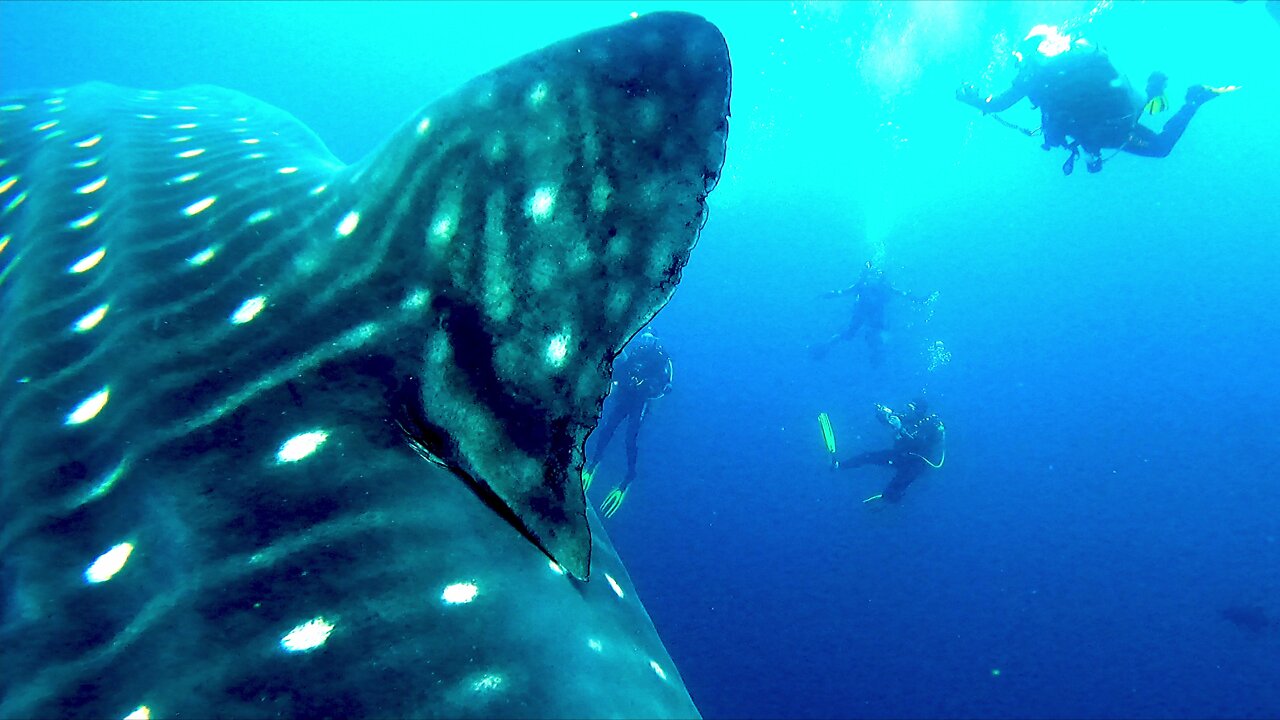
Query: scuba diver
[[873, 292], [642, 374], [1085, 104], [919, 444]]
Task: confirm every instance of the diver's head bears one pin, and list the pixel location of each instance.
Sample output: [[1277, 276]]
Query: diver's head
[[646, 338], [1156, 84], [872, 271], [1044, 41]]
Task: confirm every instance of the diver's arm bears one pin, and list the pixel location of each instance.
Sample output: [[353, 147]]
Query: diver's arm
[[918, 299], [854, 288], [1001, 102], [969, 95]]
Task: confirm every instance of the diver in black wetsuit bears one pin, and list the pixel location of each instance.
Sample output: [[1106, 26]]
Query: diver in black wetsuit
[[919, 444], [642, 374], [873, 292], [1085, 104]]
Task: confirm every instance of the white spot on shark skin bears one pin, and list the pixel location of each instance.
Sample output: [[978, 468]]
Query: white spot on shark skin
[[191, 153], [301, 446], [92, 187], [594, 644], [202, 257], [89, 141], [89, 408], [4, 241], [497, 147], [13, 108], [199, 206], [558, 350], [185, 178], [442, 228], [657, 669], [489, 682], [538, 94], [85, 221], [8, 183], [180, 139], [424, 126], [91, 319], [287, 170], [250, 141], [459, 593], [260, 216], [109, 563], [307, 636], [248, 310], [185, 126], [348, 224], [613, 584], [188, 107], [45, 125], [88, 262], [318, 189], [542, 203], [255, 156], [86, 163], [53, 101], [146, 116], [600, 192], [416, 299], [14, 203], [142, 713]]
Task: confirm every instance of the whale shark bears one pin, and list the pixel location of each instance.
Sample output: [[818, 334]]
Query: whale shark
[[281, 436]]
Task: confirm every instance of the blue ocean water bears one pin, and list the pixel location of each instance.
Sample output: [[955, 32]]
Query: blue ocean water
[[1109, 490]]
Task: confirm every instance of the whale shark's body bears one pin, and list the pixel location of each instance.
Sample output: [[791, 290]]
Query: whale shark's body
[[282, 437]]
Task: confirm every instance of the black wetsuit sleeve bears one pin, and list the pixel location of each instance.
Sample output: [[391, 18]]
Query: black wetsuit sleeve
[[1007, 99]]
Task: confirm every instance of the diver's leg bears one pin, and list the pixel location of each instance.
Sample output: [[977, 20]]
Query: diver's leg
[[875, 342], [819, 350], [633, 444], [604, 433], [1145, 142], [907, 473], [874, 457]]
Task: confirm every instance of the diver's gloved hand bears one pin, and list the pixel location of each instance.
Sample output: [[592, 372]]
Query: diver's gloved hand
[[969, 95], [613, 501]]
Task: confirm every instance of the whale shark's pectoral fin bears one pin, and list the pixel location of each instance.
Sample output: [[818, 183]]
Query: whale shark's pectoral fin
[[552, 205]]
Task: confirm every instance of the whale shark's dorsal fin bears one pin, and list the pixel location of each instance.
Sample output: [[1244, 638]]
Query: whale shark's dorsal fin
[[548, 208]]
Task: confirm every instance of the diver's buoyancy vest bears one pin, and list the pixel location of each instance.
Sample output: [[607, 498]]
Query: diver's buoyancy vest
[[1081, 94]]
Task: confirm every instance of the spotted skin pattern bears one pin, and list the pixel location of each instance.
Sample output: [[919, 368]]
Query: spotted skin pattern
[[286, 437]]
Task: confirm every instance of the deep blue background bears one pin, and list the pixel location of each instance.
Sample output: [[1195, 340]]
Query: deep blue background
[[1111, 405]]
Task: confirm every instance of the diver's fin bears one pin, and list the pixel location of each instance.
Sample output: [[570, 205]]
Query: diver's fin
[[1157, 105], [877, 496], [1197, 94], [613, 501], [828, 434]]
